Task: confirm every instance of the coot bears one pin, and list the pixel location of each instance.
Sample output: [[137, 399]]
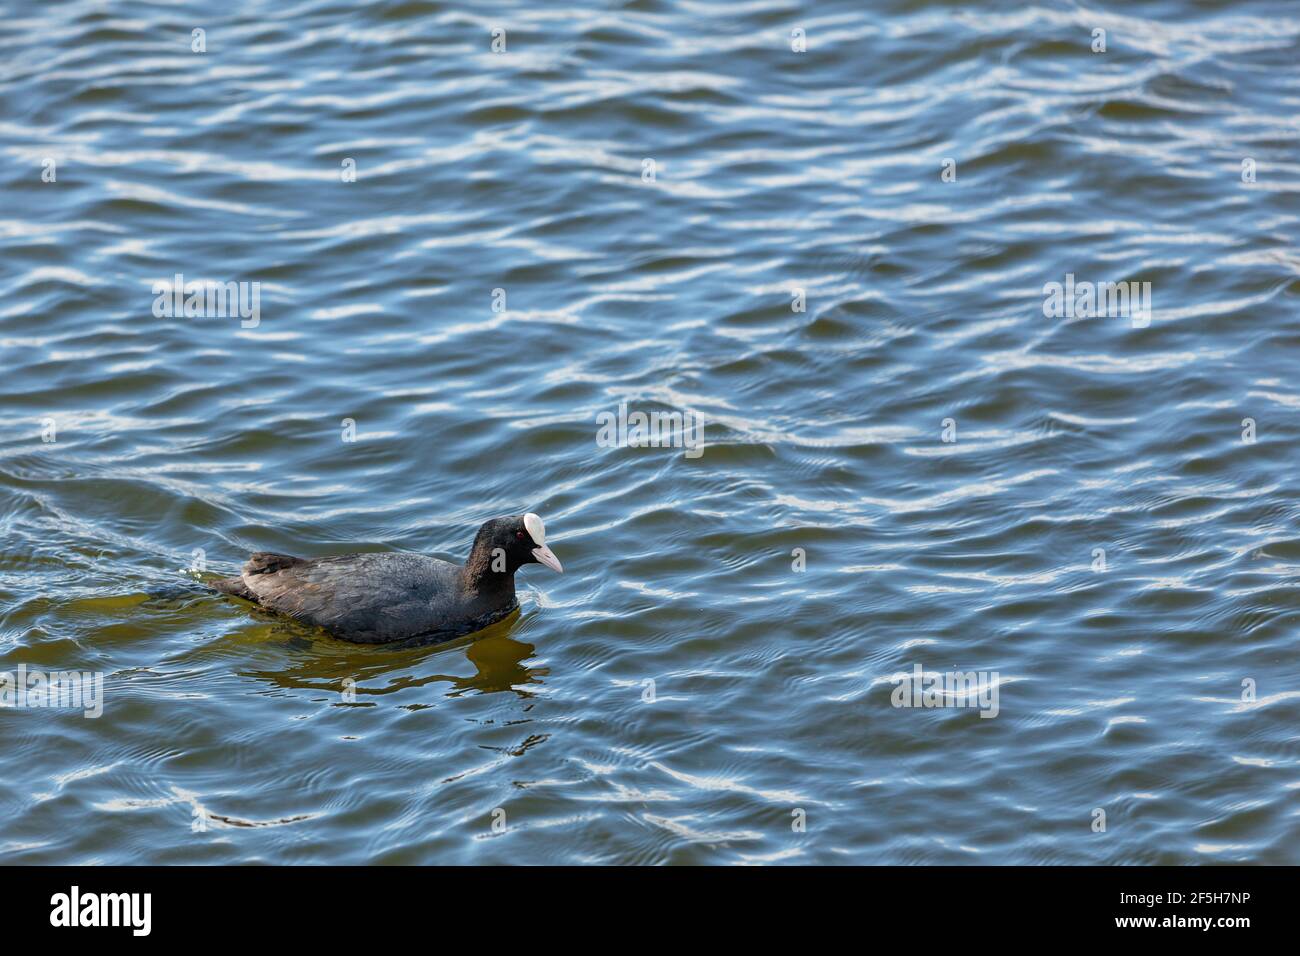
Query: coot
[[383, 597]]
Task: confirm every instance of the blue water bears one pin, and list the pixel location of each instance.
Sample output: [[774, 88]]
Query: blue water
[[1096, 513]]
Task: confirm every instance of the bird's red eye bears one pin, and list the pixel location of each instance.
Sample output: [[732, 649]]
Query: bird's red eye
[[519, 535]]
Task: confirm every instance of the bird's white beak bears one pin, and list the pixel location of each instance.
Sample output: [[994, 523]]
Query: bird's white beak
[[547, 557]]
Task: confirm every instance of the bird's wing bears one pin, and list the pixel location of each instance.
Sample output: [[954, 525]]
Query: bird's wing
[[371, 597]]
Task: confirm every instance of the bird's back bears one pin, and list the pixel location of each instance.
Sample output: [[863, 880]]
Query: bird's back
[[369, 598]]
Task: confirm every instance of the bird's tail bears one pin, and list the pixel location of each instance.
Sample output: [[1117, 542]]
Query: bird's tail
[[235, 587]]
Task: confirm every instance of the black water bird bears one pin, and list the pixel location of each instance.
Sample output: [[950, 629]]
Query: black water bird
[[378, 598]]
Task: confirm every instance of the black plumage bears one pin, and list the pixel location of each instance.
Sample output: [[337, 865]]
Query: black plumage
[[377, 598]]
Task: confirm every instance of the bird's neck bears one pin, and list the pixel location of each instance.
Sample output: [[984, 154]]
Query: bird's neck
[[480, 580]]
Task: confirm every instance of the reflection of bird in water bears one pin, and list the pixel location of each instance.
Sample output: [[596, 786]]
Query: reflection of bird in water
[[500, 663], [497, 657]]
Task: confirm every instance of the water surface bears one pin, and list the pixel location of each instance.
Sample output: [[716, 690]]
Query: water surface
[[710, 681]]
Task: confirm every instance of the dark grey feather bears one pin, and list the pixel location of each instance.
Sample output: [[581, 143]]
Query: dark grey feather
[[381, 597]]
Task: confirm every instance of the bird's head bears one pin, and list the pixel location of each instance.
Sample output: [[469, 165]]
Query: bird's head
[[511, 542]]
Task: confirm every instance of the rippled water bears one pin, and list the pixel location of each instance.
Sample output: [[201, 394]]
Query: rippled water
[[685, 693]]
